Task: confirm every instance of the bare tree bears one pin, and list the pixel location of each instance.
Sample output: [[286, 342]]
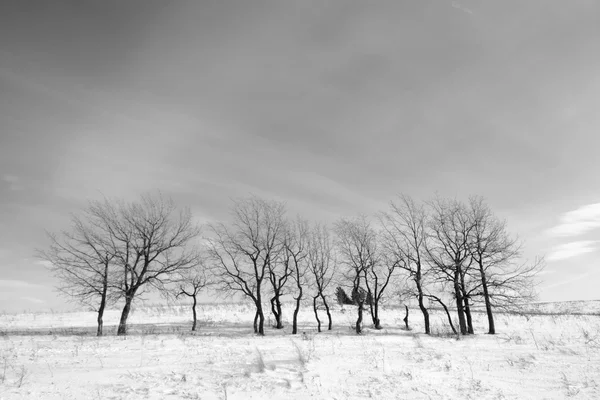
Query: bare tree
[[377, 279], [296, 252], [355, 243], [241, 252], [322, 266], [448, 249], [504, 280], [82, 260], [404, 238], [280, 268], [151, 241], [192, 282]]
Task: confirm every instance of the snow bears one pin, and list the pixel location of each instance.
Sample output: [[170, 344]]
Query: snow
[[56, 356]]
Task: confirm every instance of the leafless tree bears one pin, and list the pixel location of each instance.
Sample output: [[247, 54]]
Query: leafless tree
[[296, 252], [322, 266], [242, 251], [448, 249], [404, 239], [504, 279], [82, 260], [356, 245], [152, 242], [280, 268], [377, 278], [192, 282]]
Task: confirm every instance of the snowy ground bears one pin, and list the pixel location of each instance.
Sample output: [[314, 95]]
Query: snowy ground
[[56, 356]]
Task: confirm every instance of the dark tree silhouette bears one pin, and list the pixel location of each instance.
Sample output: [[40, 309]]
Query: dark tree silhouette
[[448, 249], [404, 239], [151, 241], [355, 243], [192, 283], [242, 251], [296, 251], [82, 261], [322, 266], [503, 280]]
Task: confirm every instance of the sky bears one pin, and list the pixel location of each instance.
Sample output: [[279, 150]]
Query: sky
[[333, 106]]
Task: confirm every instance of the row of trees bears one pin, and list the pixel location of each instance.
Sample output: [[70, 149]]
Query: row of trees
[[439, 250]]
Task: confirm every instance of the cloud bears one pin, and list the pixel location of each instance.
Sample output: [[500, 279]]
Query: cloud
[[459, 6], [572, 249], [33, 300], [13, 182], [17, 284], [579, 221], [10, 178], [571, 280]]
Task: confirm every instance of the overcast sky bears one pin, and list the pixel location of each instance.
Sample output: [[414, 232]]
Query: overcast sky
[[333, 106]]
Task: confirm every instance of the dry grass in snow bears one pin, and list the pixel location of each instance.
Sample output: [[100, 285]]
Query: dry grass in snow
[[56, 356]]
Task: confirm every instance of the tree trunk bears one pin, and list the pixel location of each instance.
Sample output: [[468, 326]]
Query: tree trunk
[[449, 318], [316, 313], [468, 314], [103, 300], [100, 314], [423, 308], [447, 312], [406, 318], [276, 310], [194, 312], [296, 310], [372, 309], [261, 318], [467, 308], [459, 303], [488, 303], [256, 321], [125, 314], [329, 325], [360, 318], [376, 321]]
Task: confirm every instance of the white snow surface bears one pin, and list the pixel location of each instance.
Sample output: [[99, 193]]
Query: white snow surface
[[57, 356]]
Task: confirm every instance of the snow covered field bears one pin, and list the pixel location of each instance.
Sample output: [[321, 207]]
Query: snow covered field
[[56, 356]]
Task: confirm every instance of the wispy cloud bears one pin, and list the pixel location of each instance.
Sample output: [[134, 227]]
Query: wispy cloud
[[567, 281], [571, 249], [33, 299], [579, 221], [459, 6], [17, 284]]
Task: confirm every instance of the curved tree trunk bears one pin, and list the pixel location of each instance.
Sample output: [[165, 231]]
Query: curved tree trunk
[[296, 310], [315, 309], [122, 330], [406, 318], [276, 310], [359, 319], [329, 325], [422, 306], [194, 312], [468, 314], [447, 312], [100, 314], [261, 318], [256, 321], [102, 300]]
